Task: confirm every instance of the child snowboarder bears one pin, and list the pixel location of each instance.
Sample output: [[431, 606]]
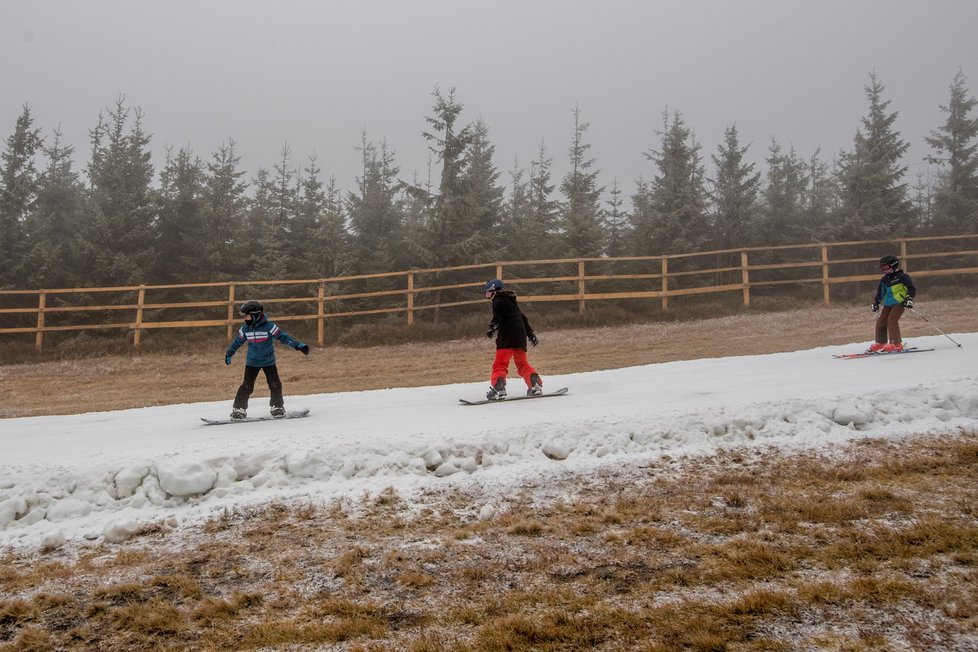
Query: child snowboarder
[[895, 294], [260, 334], [512, 330]]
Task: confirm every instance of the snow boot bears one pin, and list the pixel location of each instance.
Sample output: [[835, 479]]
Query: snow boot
[[497, 392], [536, 386], [278, 411], [892, 347], [876, 347], [238, 414]]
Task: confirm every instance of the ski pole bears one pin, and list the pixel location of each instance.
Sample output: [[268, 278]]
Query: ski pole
[[914, 311]]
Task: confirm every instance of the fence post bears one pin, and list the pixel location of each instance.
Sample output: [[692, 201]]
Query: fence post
[[903, 255], [321, 315], [745, 277], [499, 272], [580, 287], [825, 274], [230, 328], [138, 335], [665, 283], [39, 335], [410, 298]]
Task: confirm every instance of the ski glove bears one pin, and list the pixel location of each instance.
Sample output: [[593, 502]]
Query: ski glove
[[876, 307], [534, 340], [227, 359], [491, 330], [304, 348], [908, 303]]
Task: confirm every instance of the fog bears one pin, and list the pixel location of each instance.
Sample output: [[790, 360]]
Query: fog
[[315, 74]]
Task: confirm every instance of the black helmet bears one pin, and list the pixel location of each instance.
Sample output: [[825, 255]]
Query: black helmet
[[892, 261], [252, 309], [492, 285]]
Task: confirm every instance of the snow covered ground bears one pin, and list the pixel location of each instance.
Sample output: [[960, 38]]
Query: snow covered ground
[[99, 476]]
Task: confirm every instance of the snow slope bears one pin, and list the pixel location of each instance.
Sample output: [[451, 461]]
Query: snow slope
[[98, 476]]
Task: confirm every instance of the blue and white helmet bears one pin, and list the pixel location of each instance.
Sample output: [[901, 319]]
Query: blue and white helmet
[[493, 285]]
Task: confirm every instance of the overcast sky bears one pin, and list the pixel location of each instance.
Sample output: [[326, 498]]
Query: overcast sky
[[314, 73]]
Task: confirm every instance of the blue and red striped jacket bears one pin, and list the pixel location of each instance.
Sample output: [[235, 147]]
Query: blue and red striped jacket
[[261, 337]]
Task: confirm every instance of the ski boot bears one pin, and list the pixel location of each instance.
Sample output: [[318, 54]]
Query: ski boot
[[278, 411], [876, 347], [892, 347], [238, 414], [536, 386], [497, 392]]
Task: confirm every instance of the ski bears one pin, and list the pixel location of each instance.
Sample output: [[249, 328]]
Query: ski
[[288, 415], [853, 356], [560, 392]]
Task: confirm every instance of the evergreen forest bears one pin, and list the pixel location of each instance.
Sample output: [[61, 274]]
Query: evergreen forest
[[118, 218]]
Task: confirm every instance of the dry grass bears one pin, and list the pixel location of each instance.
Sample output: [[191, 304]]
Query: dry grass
[[119, 382], [728, 552]]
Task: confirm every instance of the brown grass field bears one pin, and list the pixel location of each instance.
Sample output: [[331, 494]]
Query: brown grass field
[[873, 546]]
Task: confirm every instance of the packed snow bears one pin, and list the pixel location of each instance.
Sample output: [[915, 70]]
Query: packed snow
[[102, 476]]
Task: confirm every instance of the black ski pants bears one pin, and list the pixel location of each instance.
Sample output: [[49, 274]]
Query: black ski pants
[[248, 386]]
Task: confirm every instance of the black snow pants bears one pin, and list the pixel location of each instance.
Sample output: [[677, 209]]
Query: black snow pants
[[248, 386]]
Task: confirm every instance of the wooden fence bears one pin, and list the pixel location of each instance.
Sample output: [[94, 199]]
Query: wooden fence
[[818, 266]]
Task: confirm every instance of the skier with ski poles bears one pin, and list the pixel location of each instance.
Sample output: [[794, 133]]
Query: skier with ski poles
[[512, 331], [260, 335], [894, 294]]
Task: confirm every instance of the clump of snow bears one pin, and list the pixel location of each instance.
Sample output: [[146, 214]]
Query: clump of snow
[[97, 476], [120, 531]]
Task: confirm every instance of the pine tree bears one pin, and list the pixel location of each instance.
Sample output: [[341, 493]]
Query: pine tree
[[515, 212], [616, 223], [56, 223], [453, 236], [956, 195], [279, 243], [306, 234], [537, 236], [376, 212], [484, 195], [18, 192], [669, 213], [223, 206], [335, 258], [120, 240], [419, 203], [258, 222], [783, 214], [321, 241], [735, 189], [821, 198], [181, 226], [874, 198], [581, 219]]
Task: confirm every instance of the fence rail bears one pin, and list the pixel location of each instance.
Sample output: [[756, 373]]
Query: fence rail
[[417, 291]]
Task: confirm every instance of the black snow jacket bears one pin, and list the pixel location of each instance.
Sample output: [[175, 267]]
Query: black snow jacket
[[509, 322]]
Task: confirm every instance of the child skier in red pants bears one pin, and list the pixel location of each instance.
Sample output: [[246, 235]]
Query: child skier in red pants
[[512, 331]]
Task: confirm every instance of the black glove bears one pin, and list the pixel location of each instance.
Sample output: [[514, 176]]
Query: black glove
[[491, 331], [534, 340], [227, 358], [304, 348], [908, 302], [876, 307]]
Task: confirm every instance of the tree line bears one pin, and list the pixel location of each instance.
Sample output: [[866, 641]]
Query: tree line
[[119, 221]]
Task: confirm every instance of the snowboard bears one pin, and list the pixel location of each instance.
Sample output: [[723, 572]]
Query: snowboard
[[852, 356], [559, 392], [288, 415]]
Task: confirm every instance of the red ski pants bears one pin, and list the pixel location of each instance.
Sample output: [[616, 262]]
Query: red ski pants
[[500, 366]]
